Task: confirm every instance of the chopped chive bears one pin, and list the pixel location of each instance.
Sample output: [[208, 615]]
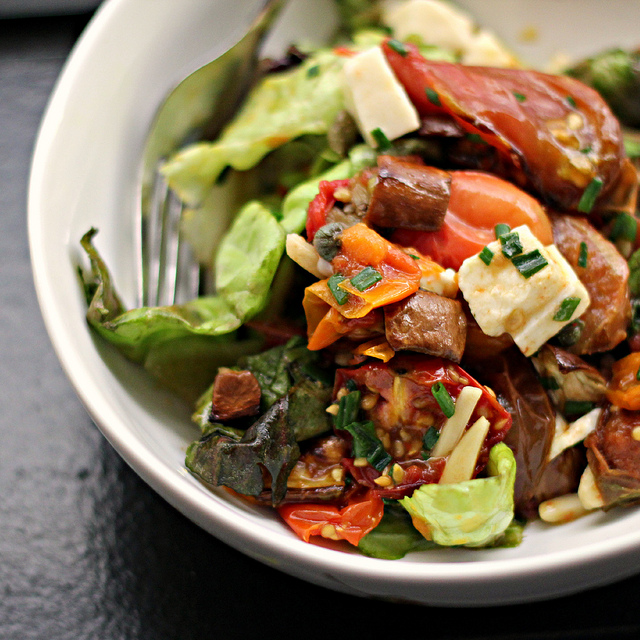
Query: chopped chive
[[529, 263], [430, 438], [582, 257], [443, 398], [366, 278], [398, 47], [476, 137], [624, 226], [586, 150], [381, 139], [313, 71], [486, 255], [511, 245], [339, 294], [549, 382], [638, 374], [566, 309], [519, 96], [577, 407], [501, 229], [571, 101], [589, 196], [433, 97], [351, 384], [411, 255], [367, 445], [348, 409]]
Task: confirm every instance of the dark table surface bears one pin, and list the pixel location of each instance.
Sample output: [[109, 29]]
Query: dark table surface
[[87, 550]]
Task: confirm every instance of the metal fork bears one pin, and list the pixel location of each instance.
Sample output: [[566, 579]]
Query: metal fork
[[167, 270]]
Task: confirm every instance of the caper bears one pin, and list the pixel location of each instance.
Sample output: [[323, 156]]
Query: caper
[[571, 333], [327, 240]]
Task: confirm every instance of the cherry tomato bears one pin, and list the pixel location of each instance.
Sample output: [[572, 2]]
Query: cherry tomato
[[351, 523], [479, 201], [321, 205]]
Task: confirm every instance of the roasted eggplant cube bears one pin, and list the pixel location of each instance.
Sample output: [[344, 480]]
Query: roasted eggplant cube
[[409, 195], [427, 323], [236, 394]]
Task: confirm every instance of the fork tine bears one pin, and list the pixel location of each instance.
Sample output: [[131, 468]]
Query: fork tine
[[168, 267], [153, 242]]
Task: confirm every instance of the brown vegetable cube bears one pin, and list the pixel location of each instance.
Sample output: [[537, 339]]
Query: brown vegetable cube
[[427, 323], [235, 394]]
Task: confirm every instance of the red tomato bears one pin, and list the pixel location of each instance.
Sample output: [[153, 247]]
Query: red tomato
[[321, 205], [353, 522], [479, 201]]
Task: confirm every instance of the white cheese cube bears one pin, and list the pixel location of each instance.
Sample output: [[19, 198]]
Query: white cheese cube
[[435, 23], [502, 300], [375, 97]]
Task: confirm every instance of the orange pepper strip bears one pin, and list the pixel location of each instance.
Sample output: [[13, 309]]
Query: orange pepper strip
[[378, 348], [624, 388]]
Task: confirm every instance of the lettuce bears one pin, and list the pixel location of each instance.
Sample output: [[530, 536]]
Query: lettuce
[[183, 345], [283, 106], [474, 513]]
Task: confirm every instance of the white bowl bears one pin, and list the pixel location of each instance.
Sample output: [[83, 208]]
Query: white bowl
[[84, 174]]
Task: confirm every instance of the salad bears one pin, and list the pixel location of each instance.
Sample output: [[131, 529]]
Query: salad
[[423, 330]]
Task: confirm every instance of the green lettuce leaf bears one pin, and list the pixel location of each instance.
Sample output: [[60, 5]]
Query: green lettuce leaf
[[283, 106], [394, 536], [247, 260], [223, 458], [472, 513]]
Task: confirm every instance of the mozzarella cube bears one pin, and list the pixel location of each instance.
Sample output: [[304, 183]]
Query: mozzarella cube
[[435, 23], [375, 97], [502, 300]]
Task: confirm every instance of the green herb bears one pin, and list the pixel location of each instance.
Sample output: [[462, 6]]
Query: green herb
[[577, 407], [638, 374], [549, 382], [381, 139], [571, 333], [443, 398], [624, 226], [582, 257], [634, 273], [476, 137], [511, 245], [413, 256], [366, 278], [566, 309], [348, 409], [367, 445], [433, 97], [529, 263], [313, 71], [351, 384], [501, 229], [339, 294], [586, 150], [590, 195], [430, 438], [519, 97], [571, 101], [486, 255], [398, 47]]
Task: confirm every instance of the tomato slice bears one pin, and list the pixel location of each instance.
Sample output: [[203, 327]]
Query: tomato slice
[[320, 206], [351, 523], [479, 201]]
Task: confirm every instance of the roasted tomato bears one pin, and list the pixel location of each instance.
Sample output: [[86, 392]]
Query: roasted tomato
[[624, 387], [321, 205], [351, 523], [397, 397], [555, 135], [479, 201]]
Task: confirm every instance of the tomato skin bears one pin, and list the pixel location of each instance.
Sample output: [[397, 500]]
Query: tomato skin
[[351, 523], [517, 111], [624, 388], [479, 201], [321, 205]]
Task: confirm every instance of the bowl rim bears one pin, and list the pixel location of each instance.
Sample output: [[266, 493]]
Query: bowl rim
[[230, 525]]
